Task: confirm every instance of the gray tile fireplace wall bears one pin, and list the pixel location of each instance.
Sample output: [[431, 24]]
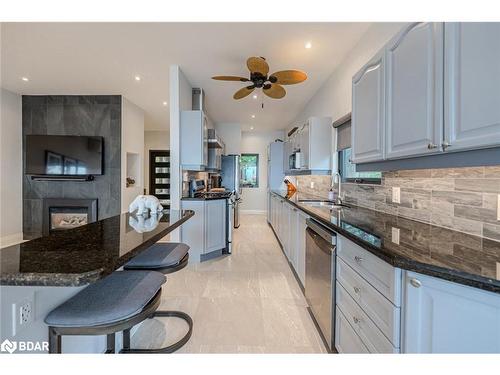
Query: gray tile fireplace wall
[[463, 199], [73, 115]]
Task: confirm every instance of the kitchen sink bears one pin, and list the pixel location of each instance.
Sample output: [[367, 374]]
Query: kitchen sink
[[320, 203]]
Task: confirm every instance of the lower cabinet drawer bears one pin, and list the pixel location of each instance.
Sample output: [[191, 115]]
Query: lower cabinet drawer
[[346, 340], [381, 275], [370, 335], [381, 311]]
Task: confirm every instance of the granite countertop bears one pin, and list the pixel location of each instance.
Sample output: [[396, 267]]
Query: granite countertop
[[85, 254], [423, 248]]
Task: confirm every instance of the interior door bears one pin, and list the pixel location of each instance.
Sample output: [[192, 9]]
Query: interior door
[[368, 112], [159, 176], [472, 85], [414, 91]]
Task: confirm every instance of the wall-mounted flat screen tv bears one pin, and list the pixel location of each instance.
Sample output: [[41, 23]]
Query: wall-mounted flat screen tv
[[64, 155]]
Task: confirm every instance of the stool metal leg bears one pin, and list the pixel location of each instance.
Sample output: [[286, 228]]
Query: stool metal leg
[[110, 343], [126, 339], [168, 349], [54, 341]]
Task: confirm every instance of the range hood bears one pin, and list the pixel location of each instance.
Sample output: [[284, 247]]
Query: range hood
[[214, 140]]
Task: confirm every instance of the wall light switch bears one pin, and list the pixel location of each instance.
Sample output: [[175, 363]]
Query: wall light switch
[[312, 184], [395, 235], [396, 194]]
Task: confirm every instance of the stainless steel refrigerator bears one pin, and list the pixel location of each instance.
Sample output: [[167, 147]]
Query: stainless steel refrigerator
[[230, 174]]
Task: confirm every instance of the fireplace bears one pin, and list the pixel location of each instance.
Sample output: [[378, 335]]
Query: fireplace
[[63, 214]]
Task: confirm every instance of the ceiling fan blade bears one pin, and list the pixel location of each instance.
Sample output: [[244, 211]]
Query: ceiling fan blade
[[288, 77], [258, 65], [230, 78], [241, 93], [275, 91]]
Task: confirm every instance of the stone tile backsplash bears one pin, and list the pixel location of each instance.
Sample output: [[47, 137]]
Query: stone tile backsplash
[[463, 199]]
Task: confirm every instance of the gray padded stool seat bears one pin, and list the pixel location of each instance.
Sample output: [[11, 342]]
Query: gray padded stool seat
[[112, 304], [165, 257]]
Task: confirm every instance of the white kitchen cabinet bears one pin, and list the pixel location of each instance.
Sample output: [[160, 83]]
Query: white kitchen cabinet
[[194, 140], [293, 237], [206, 230], [285, 228], [445, 317], [347, 340], [301, 246], [368, 111], [314, 141], [215, 225], [472, 85], [414, 91]]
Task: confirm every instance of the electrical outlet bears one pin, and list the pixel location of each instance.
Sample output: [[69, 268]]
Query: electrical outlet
[[395, 235], [498, 207], [23, 314], [396, 194]]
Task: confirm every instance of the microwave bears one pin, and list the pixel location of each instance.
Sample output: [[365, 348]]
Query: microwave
[[294, 160]]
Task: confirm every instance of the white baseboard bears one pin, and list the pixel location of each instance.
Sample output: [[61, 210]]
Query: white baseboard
[[253, 212], [11, 239]]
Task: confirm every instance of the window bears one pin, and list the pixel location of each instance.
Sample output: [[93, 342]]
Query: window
[[249, 170], [348, 170]]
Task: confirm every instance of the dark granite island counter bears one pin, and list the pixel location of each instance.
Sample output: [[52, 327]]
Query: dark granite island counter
[[79, 256]]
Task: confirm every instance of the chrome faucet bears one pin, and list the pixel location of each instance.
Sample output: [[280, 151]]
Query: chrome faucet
[[338, 201]]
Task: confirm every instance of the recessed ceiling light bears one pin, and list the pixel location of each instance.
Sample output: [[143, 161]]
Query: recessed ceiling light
[[251, 127], [254, 96], [253, 116], [137, 78], [165, 104], [25, 79], [308, 45]]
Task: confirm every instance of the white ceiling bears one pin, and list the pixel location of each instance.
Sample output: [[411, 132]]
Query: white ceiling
[[104, 58]]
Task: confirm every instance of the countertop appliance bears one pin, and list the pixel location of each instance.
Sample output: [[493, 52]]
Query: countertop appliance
[[215, 181], [196, 187], [320, 278], [231, 181], [294, 160]]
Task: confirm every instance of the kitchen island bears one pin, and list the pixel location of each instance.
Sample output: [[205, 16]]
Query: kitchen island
[[44, 272]]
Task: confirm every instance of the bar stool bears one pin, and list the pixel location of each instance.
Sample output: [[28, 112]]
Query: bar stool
[[112, 304], [166, 258]]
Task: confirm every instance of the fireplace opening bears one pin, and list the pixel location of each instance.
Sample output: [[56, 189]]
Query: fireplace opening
[[63, 214]]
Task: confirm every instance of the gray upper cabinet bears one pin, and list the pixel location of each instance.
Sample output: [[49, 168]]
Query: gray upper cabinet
[[414, 91], [194, 140], [472, 85], [368, 115]]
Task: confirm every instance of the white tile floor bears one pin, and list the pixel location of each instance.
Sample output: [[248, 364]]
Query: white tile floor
[[248, 302]]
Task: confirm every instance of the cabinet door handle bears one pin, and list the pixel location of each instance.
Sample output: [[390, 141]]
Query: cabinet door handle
[[445, 145], [356, 320], [431, 146], [357, 290], [358, 259], [416, 283]]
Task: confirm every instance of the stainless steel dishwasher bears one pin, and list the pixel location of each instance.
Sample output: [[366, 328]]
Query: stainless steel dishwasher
[[320, 278]]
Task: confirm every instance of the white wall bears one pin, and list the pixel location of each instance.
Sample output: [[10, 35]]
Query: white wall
[[334, 97], [256, 142], [153, 140], [11, 200], [231, 135], [132, 142]]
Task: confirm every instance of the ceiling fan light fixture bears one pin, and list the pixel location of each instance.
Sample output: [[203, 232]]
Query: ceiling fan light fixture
[[260, 78]]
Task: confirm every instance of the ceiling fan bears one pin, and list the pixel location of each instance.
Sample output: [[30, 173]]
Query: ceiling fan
[[271, 84]]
